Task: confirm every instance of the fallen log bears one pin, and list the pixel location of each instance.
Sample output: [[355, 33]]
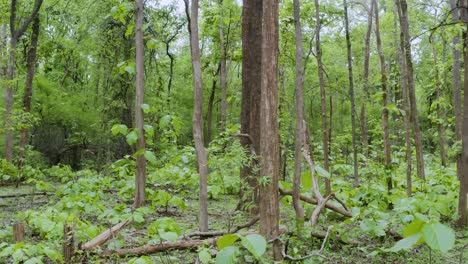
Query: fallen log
[[106, 235], [221, 233], [314, 201], [24, 194]]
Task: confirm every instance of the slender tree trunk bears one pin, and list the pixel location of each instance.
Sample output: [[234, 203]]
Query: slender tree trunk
[[140, 175], [15, 36], [456, 53], [251, 82], [406, 108], [209, 114], [31, 66], [365, 137], [323, 99], [300, 121], [223, 73], [463, 195], [197, 118], [269, 136], [3, 51], [171, 75], [440, 124], [411, 88], [351, 95]]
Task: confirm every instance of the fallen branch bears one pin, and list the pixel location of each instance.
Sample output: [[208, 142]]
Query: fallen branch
[[314, 201], [221, 233], [23, 194], [338, 238], [106, 235]]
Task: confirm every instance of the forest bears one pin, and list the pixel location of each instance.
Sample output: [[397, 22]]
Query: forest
[[233, 131]]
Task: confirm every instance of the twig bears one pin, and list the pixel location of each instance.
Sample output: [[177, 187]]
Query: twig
[[106, 235], [24, 194]]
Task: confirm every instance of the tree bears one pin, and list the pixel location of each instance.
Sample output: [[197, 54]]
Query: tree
[[15, 34], [223, 70], [250, 108], [197, 118], [31, 66], [140, 176], [300, 121], [269, 132], [323, 97], [404, 27], [383, 76], [351, 94]]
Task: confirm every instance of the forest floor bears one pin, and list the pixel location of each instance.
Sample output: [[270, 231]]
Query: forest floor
[[222, 216]]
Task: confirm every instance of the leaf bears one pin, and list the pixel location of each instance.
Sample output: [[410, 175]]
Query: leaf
[[306, 180], [169, 236], [255, 244], [149, 155], [164, 122], [405, 243], [145, 108], [227, 255], [322, 172], [138, 218], [226, 240], [132, 137], [204, 256], [413, 228], [439, 236]]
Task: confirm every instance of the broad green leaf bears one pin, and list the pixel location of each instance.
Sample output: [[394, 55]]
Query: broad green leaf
[[405, 243], [413, 228], [34, 260], [145, 108], [226, 240], [149, 155], [227, 255], [306, 180], [439, 236], [138, 218], [132, 137], [322, 172], [169, 236], [255, 244], [204, 256]]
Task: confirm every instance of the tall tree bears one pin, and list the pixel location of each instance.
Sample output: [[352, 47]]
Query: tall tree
[[365, 137], [15, 34], [323, 97], [351, 95], [269, 136], [31, 66], [383, 76], [250, 108], [300, 122], [140, 175], [223, 71], [197, 118], [404, 27], [406, 109]]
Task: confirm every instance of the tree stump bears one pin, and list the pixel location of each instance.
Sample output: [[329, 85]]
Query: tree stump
[[18, 232], [68, 243]]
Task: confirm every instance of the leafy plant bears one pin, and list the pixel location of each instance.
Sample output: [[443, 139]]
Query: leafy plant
[[255, 244]]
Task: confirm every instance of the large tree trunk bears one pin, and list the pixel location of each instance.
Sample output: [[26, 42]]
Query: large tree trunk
[[365, 137], [351, 95], [31, 62], [15, 36], [404, 24], [462, 203], [250, 110], [300, 121], [269, 136], [406, 108], [223, 72], [197, 118], [385, 112], [323, 99], [140, 175]]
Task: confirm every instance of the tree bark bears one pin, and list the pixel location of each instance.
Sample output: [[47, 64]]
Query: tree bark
[[404, 25], [250, 109], [323, 99], [197, 118], [406, 108], [140, 176], [209, 113], [223, 72], [463, 195], [15, 36], [31, 67], [365, 137], [351, 96], [385, 112], [300, 121], [269, 136]]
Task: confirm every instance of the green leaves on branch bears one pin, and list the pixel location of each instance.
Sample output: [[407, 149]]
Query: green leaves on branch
[[254, 243]]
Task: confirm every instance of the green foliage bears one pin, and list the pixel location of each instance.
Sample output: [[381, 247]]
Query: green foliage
[[164, 229], [8, 171], [255, 244]]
